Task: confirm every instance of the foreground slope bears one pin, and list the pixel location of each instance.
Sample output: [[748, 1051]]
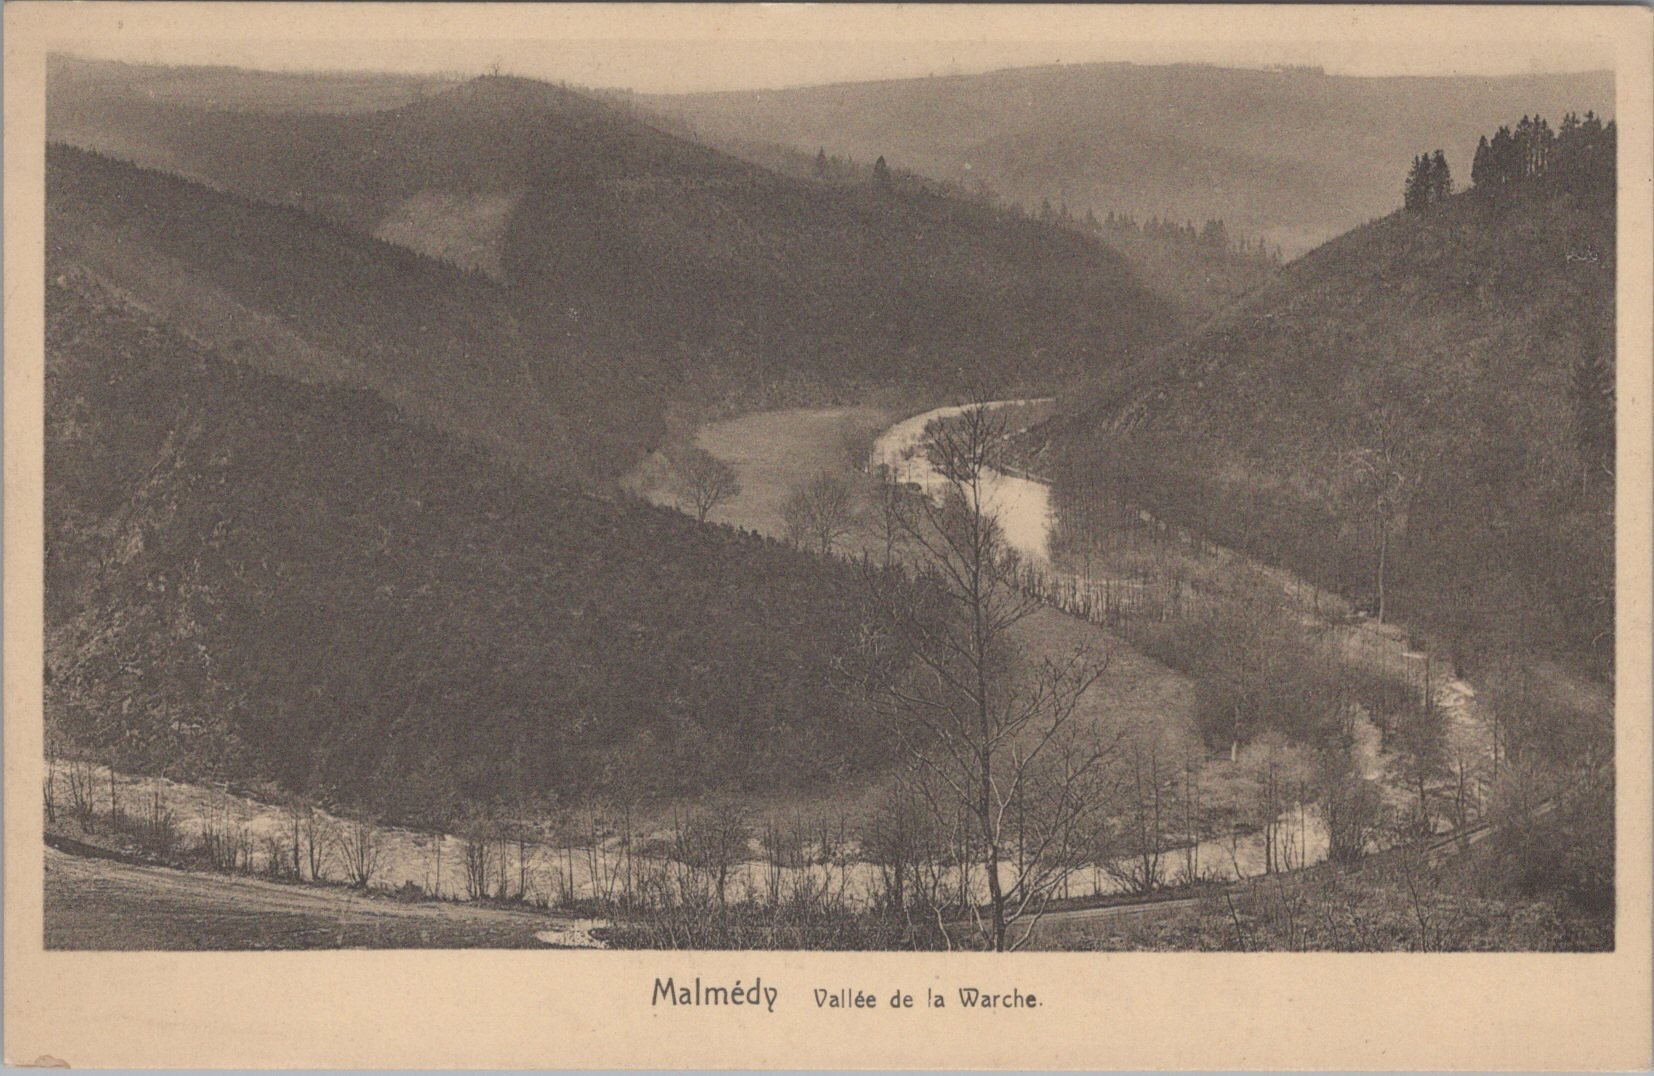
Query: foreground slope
[[724, 274], [104, 904], [1419, 413], [1294, 155]]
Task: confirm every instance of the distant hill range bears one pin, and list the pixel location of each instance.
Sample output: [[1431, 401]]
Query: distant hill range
[[724, 278], [1293, 155], [1424, 404]]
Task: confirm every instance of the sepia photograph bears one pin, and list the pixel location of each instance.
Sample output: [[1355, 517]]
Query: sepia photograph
[[630, 490]]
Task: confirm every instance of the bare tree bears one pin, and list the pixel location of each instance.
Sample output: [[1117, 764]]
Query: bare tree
[[898, 839], [478, 848], [784, 850], [996, 732], [702, 481], [1417, 740], [891, 515], [1143, 827], [820, 513], [360, 849], [1383, 482], [1351, 806], [712, 842], [1243, 649], [318, 837], [1278, 772]]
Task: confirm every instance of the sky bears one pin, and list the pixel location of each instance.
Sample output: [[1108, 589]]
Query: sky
[[673, 50]]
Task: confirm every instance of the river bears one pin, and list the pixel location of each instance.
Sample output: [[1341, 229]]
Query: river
[[1022, 506], [554, 869]]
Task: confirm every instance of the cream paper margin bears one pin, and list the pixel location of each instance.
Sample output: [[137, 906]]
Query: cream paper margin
[[591, 1009]]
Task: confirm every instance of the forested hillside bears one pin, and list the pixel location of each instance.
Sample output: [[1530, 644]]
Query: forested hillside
[[1293, 155], [730, 279], [251, 578], [1198, 271], [289, 292], [1419, 413]]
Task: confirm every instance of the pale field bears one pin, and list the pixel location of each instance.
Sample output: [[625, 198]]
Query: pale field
[[774, 452]]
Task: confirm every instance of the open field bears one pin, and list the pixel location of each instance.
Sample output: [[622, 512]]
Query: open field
[[98, 903], [774, 452]]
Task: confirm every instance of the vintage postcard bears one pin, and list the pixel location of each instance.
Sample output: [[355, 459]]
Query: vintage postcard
[[827, 536]]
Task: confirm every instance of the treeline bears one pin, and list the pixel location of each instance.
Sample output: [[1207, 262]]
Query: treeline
[[1580, 154], [1582, 150], [1213, 234]]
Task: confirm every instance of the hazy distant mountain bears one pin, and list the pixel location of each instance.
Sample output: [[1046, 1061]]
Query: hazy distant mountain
[[730, 277], [1293, 155], [72, 78]]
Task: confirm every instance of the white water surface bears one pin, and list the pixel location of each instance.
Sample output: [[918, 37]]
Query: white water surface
[[1020, 505]]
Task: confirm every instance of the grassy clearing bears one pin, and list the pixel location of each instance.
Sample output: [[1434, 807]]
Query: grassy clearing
[[774, 452]]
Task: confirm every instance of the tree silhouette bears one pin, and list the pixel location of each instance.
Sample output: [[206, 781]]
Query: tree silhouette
[[1429, 181], [1414, 192], [1441, 179], [703, 481]]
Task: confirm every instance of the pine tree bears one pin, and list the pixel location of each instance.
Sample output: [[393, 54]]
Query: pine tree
[[1441, 179], [881, 172], [1544, 143], [1499, 157], [821, 163], [1522, 158], [1415, 191], [1480, 168]]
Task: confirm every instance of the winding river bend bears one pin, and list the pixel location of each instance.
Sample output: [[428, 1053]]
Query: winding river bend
[[770, 451], [1022, 506]]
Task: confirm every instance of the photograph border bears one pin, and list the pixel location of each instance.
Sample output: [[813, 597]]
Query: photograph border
[[496, 1009]]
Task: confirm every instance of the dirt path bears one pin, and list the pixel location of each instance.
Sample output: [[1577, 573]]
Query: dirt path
[[96, 903]]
